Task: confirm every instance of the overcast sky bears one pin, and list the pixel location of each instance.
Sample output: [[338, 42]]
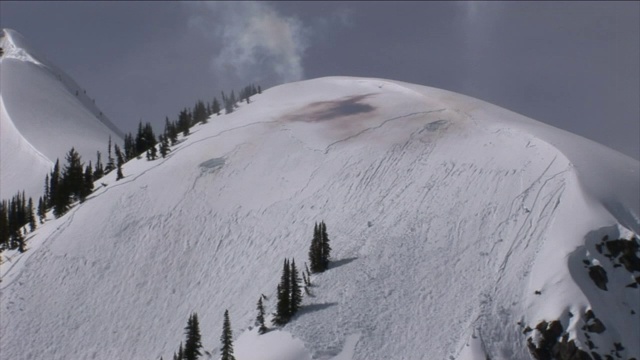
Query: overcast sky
[[572, 65]]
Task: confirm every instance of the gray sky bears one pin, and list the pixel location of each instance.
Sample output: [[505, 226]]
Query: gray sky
[[572, 65]]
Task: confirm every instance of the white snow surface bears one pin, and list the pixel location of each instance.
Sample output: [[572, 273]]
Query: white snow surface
[[42, 118], [445, 215]]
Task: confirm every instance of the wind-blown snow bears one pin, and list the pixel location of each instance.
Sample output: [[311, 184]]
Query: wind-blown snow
[[445, 214], [42, 113]]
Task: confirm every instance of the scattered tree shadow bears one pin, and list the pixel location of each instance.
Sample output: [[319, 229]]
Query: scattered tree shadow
[[341, 262], [307, 309]]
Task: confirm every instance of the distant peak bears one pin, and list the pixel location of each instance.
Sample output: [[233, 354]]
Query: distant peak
[[14, 47]]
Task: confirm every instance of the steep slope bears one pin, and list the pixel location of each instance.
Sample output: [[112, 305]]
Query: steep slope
[[455, 226], [44, 113]]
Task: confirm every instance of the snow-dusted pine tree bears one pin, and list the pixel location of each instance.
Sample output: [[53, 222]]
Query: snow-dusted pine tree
[[227, 339]]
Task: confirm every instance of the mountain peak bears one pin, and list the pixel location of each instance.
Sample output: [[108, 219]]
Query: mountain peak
[[44, 113], [15, 47]]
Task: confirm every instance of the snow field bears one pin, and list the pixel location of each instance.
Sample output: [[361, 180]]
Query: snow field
[[443, 222]]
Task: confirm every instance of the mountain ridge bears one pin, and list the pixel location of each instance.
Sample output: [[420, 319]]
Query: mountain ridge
[[45, 108]]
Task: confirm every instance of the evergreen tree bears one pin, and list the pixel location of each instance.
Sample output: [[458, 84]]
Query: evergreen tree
[[111, 165], [315, 251], [320, 250], [73, 177], [31, 216], [199, 113], [67, 184], [54, 184], [170, 131], [260, 318], [326, 248], [227, 339], [164, 146], [233, 100], [283, 307], [296, 292], [193, 343], [119, 174], [4, 225], [19, 240], [47, 192], [99, 171], [215, 107], [42, 210], [87, 185], [228, 104], [184, 122], [129, 147]]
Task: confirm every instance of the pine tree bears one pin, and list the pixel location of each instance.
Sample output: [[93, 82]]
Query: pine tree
[[119, 174], [54, 184], [129, 147], [260, 318], [42, 210], [31, 216], [170, 131], [99, 171], [19, 240], [215, 107], [47, 192], [227, 339], [73, 177], [110, 162], [164, 146], [296, 292], [87, 185], [326, 248], [193, 342], [315, 251], [4, 225], [283, 307], [184, 122]]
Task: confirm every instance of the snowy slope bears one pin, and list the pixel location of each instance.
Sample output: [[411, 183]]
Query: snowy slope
[[42, 118], [455, 225]]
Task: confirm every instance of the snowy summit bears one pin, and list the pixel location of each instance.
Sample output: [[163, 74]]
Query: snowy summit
[[44, 112], [459, 230]]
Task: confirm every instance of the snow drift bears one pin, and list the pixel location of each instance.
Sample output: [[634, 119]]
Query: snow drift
[[460, 230], [43, 114]]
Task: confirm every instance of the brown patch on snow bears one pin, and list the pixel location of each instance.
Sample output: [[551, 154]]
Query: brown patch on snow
[[349, 107]]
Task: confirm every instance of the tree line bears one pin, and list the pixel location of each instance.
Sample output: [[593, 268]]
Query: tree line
[[289, 301], [74, 182]]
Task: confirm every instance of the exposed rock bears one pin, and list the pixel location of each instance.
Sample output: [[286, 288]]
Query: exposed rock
[[625, 251], [555, 346], [596, 326], [567, 350], [599, 276]]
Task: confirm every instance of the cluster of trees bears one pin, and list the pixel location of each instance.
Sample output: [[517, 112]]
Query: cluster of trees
[[289, 300], [74, 182], [289, 294], [14, 215], [192, 349], [320, 250], [63, 187], [231, 102]]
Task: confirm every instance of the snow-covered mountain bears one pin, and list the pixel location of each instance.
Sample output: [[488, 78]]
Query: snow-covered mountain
[[43, 113], [459, 230]]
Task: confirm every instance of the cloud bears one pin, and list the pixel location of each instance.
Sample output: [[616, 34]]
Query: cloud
[[253, 42]]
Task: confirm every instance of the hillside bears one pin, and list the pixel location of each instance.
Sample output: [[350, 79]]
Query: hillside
[[43, 113], [456, 227]]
